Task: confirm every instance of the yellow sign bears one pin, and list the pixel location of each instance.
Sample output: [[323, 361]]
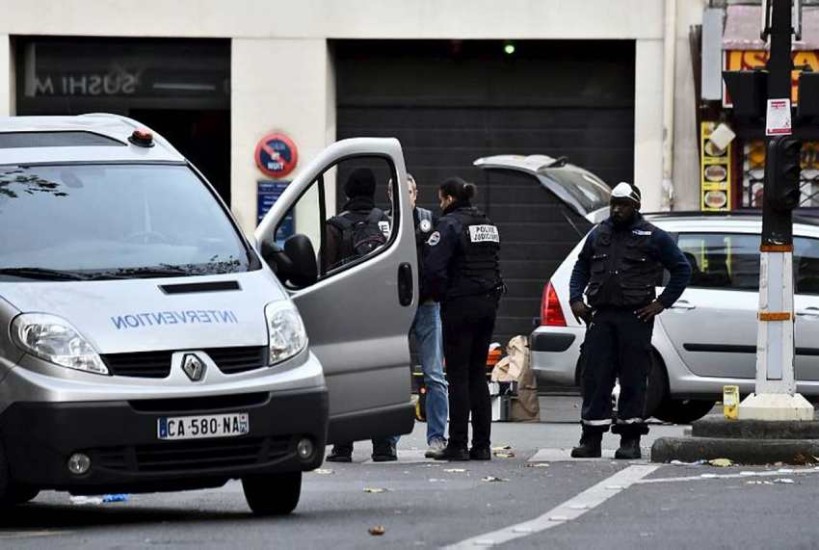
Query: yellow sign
[[715, 172], [749, 60]]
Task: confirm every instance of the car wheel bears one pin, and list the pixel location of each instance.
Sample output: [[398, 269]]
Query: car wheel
[[272, 494], [683, 411], [656, 386]]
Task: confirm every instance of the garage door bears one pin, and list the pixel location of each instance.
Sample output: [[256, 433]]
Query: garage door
[[451, 102]]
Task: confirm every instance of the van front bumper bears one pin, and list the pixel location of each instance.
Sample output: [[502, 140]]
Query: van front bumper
[[120, 438]]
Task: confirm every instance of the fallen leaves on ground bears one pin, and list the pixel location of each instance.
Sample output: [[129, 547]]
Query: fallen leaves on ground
[[377, 531]]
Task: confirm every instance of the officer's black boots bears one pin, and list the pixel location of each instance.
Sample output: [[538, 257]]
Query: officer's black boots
[[629, 448], [629, 440], [589, 442]]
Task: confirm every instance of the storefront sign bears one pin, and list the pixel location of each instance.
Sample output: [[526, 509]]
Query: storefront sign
[[276, 155], [715, 172], [267, 193], [749, 60]]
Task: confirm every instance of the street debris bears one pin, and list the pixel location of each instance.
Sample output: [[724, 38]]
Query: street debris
[[537, 465], [502, 448], [784, 480], [493, 479], [695, 463], [377, 531], [374, 490], [721, 462], [324, 471], [85, 500], [104, 499], [455, 470], [504, 454]]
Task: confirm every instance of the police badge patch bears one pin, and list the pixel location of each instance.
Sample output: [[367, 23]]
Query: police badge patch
[[434, 239]]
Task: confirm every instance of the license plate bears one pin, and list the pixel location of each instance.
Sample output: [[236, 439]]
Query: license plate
[[197, 427]]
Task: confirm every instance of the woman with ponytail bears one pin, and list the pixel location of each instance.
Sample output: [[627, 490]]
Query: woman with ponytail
[[462, 271]]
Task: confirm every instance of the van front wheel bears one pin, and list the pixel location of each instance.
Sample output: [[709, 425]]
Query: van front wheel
[[272, 494]]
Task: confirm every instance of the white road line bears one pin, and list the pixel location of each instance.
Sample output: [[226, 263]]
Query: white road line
[[748, 474], [569, 510]]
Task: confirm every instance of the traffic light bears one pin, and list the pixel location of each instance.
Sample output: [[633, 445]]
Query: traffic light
[[782, 171]]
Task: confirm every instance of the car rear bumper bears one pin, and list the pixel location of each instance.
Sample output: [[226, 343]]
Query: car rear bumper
[[120, 437], [554, 354]]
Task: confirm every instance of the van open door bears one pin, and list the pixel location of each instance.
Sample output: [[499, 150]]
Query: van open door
[[357, 312]]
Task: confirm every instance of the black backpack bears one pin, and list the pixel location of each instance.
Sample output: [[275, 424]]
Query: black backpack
[[360, 234]]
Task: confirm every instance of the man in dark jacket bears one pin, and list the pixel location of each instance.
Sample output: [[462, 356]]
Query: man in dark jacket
[[619, 267], [341, 246]]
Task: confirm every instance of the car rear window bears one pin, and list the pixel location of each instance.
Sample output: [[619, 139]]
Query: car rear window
[[586, 188]]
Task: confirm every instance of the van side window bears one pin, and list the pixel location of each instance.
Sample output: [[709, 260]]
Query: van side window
[[722, 260], [346, 213]]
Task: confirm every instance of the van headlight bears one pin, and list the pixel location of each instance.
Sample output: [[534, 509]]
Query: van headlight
[[285, 330], [54, 339]]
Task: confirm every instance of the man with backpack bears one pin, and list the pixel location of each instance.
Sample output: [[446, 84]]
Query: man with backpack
[[361, 227], [358, 230]]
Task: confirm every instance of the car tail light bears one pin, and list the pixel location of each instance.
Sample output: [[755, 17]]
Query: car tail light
[[551, 314]]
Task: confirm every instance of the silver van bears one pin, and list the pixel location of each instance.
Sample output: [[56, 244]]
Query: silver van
[[147, 345]]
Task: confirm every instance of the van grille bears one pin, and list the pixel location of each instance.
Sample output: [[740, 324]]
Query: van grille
[[174, 456], [157, 364]]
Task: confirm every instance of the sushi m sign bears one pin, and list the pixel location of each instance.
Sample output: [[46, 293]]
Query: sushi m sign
[[751, 60]]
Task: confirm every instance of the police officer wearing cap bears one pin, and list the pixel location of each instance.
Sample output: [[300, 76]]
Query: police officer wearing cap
[[462, 271], [619, 267]]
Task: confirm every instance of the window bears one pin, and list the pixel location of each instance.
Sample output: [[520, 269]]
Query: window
[[114, 221], [806, 265], [720, 260], [339, 244]]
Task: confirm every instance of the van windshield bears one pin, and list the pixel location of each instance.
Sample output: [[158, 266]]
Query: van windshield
[[112, 221], [586, 188]]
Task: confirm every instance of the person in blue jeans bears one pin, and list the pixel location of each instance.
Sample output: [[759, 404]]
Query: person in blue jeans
[[426, 328]]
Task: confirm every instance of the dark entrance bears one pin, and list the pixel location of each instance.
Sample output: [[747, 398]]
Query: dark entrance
[[451, 102], [179, 88]]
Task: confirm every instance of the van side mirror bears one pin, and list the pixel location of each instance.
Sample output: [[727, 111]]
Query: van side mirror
[[299, 250]]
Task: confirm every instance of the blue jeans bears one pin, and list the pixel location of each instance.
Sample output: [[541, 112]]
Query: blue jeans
[[427, 330]]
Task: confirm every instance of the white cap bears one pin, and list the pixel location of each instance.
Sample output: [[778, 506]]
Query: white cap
[[625, 190]]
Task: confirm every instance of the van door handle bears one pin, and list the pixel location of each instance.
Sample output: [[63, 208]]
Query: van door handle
[[405, 284], [808, 312], [683, 304]]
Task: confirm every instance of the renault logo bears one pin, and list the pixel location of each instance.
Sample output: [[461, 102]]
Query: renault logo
[[193, 367]]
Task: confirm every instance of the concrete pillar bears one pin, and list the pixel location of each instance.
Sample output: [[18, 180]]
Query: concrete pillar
[[648, 121], [6, 76], [277, 85]]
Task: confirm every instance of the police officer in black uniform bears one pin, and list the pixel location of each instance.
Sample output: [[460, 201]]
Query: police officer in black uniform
[[619, 266], [462, 271]]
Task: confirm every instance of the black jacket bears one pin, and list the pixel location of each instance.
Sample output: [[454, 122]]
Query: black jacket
[[461, 256]]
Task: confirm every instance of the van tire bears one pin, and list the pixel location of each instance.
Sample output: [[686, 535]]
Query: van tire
[[272, 494], [683, 411]]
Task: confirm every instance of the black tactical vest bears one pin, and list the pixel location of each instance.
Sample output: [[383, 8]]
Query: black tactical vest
[[624, 269], [476, 269]]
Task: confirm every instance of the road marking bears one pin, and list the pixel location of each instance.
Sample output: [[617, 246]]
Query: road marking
[[563, 513], [710, 476], [30, 534], [564, 455]]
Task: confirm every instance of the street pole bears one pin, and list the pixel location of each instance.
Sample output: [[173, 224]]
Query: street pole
[[775, 397]]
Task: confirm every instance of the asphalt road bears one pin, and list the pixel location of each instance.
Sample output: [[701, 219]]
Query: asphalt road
[[539, 498]]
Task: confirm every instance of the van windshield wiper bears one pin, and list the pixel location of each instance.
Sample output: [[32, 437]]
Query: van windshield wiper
[[42, 273], [144, 272]]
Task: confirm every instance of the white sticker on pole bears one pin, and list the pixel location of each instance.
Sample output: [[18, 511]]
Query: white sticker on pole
[[778, 118]]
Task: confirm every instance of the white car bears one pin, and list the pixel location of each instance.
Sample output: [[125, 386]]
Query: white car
[[708, 338]]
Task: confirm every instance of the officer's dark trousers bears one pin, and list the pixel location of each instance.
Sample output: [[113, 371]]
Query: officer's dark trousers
[[468, 322], [617, 344]]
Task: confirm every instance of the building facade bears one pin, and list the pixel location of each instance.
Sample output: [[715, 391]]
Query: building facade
[[221, 75]]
